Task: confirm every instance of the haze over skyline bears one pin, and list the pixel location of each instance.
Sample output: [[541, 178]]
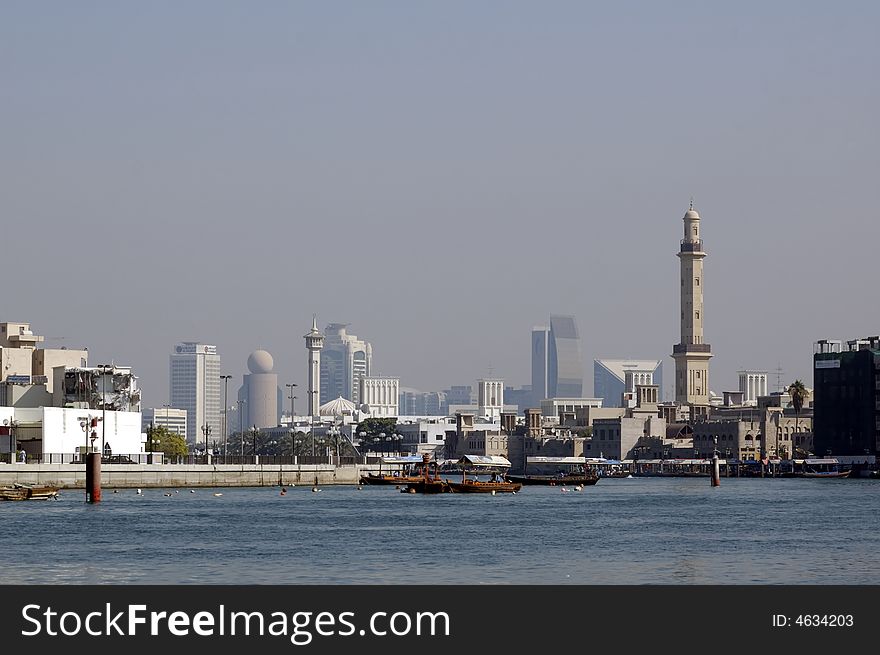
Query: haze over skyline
[[442, 177]]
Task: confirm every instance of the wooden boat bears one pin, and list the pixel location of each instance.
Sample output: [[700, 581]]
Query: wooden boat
[[571, 479], [28, 492], [376, 478], [823, 474], [484, 487], [496, 485], [581, 471], [428, 483], [391, 478]]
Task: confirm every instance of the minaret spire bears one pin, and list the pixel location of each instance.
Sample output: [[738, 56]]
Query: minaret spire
[[691, 354], [314, 344]]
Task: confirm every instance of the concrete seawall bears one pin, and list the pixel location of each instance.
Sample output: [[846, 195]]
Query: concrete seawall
[[73, 476]]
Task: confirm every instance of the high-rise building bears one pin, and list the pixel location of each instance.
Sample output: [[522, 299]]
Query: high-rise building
[[345, 360], [173, 419], [614, 377], [846, 397], [691, 354], [557, 363], [195, 387]]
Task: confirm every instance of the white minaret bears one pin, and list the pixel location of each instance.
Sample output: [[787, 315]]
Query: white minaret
[[691, 354], [314, 343]]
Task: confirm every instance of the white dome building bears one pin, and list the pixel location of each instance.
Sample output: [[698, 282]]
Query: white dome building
[[339, 407], [260, 391]]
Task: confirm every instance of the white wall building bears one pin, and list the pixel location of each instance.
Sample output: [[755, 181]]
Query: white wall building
[[752, 384], [380, 396], [58, 430], [490, 399], [195, 387]]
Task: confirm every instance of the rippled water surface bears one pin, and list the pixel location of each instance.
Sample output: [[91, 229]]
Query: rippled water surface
[[626, 531]]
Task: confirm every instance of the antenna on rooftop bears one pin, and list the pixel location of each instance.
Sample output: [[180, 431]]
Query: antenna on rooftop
[[779, 377]]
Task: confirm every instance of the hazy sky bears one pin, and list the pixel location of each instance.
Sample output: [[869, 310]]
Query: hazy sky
[[440, 175]]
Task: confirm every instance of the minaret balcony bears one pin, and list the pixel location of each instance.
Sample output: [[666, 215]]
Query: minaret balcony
[[691, 246], [685, 348]]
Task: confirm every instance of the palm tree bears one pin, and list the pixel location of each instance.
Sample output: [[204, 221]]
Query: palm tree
[[798, 393]]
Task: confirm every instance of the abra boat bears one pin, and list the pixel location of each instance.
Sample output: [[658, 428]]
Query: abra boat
[[585, 474], [396, 477], [498, 484], [428, 483], [28, 492]]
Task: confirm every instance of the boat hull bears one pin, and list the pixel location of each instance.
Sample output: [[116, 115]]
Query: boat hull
[[469, 487], [389, 479], [553, 481], [427, 487], [28, 492]]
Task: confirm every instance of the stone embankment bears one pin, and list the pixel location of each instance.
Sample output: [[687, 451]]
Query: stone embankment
[[73, 476]]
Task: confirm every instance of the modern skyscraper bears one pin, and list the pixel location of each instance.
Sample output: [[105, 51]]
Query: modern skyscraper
[[314, 344], [195, 387], [346, 359], [614, 377], [691, 354], [540, 337], [557, 364]]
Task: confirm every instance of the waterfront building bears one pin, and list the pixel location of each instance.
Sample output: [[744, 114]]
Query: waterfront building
[[64, 433], [640, 427], [612, 378], [380, 396], [752, 384], [172, 419], [557, 363], [195, 387], [98, 387], [260, 392], [692, 354], [344, 361], [846, 397], [314, 344], [22, 363]]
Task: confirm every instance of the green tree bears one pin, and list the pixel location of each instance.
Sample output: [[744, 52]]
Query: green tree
[[373, 427], [798, 393], [161, 439]]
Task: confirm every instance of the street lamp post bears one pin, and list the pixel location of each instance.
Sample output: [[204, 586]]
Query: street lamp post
[[290, 395], [225, 379], [104, 368], [334, 433], [206, 429]]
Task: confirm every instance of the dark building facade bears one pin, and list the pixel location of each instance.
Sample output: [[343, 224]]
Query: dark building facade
[[846, 397]]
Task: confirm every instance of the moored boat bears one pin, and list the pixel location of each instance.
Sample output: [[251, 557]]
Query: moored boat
[[428, 483], [572, 479], [396, 477], [497, 484], [20, 491]]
